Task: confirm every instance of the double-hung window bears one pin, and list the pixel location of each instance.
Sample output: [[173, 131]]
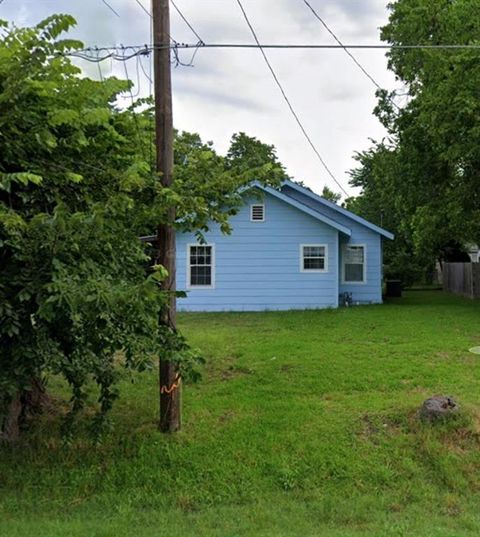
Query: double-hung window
[[201, 267], [354, 263], [313, 258]]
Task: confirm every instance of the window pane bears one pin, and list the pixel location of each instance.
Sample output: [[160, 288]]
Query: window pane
[[200, 255], [353, 272], [314, 263], [313, 251], [354, 254], [200, 275]]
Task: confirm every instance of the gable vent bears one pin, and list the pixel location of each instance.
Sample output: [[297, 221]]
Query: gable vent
[[257, 213]]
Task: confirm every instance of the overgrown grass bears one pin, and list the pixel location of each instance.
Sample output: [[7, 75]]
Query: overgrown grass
[[303, 425]]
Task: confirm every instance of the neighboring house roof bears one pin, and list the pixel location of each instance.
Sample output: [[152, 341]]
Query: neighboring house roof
[[335, 207], [304, 208]]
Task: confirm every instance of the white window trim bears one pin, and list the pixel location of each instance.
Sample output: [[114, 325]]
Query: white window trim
[[364, 281], [251, 213], [189, 274], [302, 246]]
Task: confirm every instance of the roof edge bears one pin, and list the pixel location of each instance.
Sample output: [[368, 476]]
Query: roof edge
[[302, 207], [340, 210]]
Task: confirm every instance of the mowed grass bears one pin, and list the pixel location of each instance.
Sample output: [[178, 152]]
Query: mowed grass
[[304, 425]]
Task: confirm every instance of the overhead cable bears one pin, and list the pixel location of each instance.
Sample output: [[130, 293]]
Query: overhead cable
[[353, 58], [185, 20], [289, 104], [111, 8]]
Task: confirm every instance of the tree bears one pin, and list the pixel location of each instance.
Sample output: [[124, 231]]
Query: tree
[[443, 115], [68, 300], [381, 204], [77, 189], [330, 195], [254, 159], [432, 149]]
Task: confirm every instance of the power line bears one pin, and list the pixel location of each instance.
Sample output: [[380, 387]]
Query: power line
[[110, 8], [328, 46], [92, 54], [135, 119], [353, 58], [175, 43], [144, 8], [324, 24], [112, 51], [147, 76], [289, 104], [177, 9], [99, 65]]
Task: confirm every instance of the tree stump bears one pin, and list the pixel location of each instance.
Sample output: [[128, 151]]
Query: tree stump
[[438, 408]]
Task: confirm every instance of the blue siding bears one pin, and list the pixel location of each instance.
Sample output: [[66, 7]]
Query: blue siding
[[370, 291], [257, 267]]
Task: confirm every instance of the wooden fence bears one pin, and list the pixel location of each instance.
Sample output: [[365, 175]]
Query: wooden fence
[[462, 279]]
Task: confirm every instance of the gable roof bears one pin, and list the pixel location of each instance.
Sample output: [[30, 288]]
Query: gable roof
[[302, 207], [337, 208]]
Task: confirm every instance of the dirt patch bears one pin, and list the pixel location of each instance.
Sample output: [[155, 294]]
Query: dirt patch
[[375, 426]]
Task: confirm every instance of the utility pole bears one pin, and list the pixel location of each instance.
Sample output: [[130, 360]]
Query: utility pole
[[170, 381]]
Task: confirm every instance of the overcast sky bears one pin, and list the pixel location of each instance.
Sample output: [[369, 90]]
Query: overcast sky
[[228, 91]]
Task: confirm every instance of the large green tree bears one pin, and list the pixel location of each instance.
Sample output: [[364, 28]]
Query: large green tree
[[77, 189], [73, 289], [430, 162]]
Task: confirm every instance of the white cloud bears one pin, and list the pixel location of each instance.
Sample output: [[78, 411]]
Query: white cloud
[[231, 90]]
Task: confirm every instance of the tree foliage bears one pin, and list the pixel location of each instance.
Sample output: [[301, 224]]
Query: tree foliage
[[253, 159], [77, 189], [426, 174], [330, 195], [73, 289]]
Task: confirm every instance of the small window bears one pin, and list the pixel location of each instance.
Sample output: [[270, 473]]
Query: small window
[[257, 213], [200, 266], [354, 264], [313, 258]]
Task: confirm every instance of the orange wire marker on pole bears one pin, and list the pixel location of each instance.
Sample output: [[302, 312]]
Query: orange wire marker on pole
[[174, 386]]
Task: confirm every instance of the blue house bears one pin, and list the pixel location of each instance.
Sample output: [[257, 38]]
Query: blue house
[[289, 249]]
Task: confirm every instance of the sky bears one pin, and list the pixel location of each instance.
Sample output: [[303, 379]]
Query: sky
[[228, 91]]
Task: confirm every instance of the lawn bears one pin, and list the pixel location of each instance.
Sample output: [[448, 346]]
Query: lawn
[[304, 424]]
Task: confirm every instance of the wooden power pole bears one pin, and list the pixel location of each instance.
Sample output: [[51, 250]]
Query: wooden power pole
[[170, 382]]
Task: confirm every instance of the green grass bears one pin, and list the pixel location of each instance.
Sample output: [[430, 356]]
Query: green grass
[[303, 425]]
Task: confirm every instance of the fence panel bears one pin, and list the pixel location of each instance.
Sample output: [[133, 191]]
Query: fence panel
[[462, 279]]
